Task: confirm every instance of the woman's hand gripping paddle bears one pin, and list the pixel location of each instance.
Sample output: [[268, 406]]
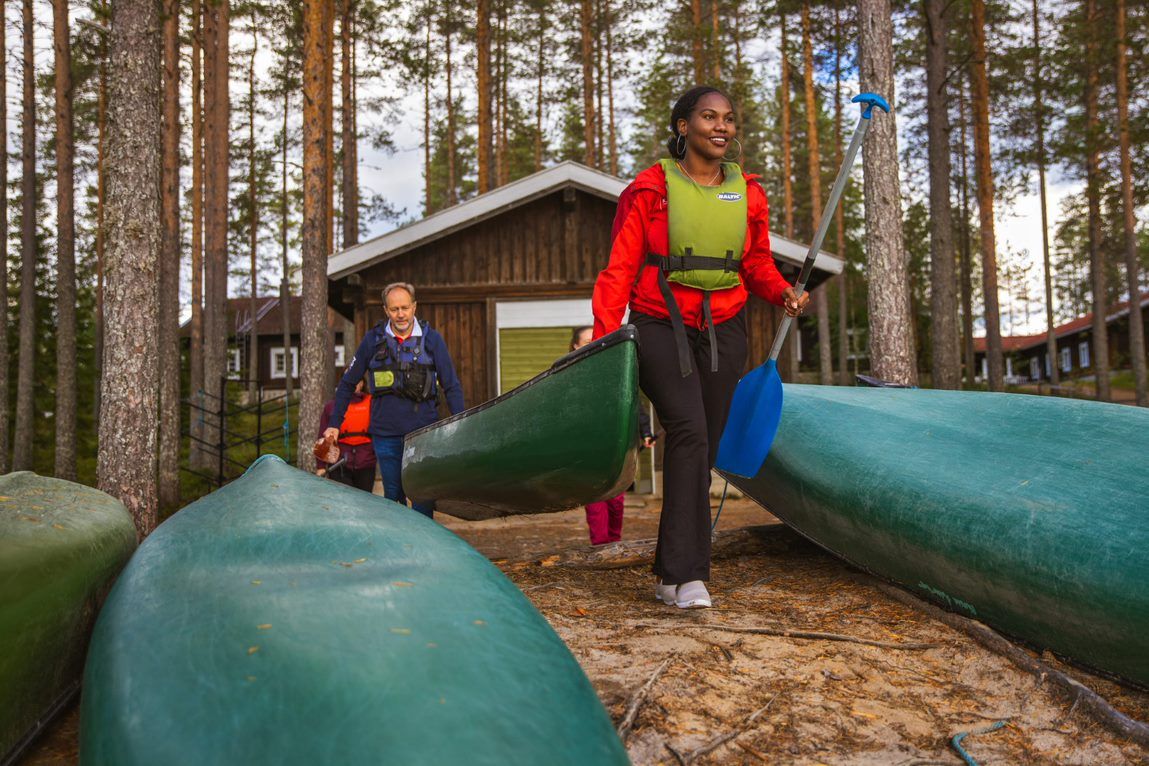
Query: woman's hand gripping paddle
[[757, 407]]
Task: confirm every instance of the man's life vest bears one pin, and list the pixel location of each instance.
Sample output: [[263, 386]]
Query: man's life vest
[[707, 233], [404, 369], [353, 429]]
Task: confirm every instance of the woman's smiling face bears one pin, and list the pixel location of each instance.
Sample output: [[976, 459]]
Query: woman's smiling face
[[710, 128]]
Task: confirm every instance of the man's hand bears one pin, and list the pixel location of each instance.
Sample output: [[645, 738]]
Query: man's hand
[[331, 434], [794, 303]]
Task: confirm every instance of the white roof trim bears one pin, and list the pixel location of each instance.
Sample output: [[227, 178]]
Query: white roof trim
[[512, 195]]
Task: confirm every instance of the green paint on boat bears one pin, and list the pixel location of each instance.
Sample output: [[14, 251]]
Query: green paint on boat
[[61, 544], [1031, 513], [286, 619], [565, 438]]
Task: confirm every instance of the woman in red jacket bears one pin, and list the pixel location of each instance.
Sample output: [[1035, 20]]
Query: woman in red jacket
[[691, 238]]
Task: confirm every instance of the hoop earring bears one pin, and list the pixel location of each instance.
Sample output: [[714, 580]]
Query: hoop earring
[[680, 146], [738, 156]]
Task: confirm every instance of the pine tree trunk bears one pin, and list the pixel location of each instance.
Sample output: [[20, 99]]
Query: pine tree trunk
[[946, 343], [252, 365], [891, 324], [315, 362], [839, 214], [126, 464], [814, 167], [696, 42], [65, 467], [101, 188], [985, 194], [1099, 278], [1132, 277], [5, 423], [587, 19], [197, 457], [600, 137], [608, 20], [349, 141], [1039, 125], [502, 168], [541, 72], [216, 169], [968, 355], [24, 437], [168, 468], [715, 42], [428, 133], [452, 189], [788, 356], [285, 282], [483, 54], [329, 129]]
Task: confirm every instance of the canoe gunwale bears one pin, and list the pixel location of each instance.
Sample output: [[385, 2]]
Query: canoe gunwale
[[626, 334]]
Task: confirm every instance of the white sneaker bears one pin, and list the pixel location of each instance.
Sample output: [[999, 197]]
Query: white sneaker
[[692, 595], [667, 594]]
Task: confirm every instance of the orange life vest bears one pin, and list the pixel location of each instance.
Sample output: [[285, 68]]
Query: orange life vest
[[353, 430]]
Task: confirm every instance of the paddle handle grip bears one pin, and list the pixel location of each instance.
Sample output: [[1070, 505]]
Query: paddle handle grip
[[868, 101]]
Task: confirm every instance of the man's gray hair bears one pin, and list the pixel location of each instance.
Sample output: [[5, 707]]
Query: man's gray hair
[[410, 288]]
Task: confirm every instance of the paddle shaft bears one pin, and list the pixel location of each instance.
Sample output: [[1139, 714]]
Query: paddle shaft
[[823, 226]]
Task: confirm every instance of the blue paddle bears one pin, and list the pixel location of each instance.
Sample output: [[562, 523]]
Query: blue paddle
[[757, 406]]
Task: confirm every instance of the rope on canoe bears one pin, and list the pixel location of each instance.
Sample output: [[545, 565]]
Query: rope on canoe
[[957, 739], [721, 503]]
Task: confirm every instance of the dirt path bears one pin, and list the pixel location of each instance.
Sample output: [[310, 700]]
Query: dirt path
[[812, 701]]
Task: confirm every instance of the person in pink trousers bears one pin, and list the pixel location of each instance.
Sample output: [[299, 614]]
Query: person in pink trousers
[[604, 518]]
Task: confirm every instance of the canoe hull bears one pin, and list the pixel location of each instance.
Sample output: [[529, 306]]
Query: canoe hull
[[61, 545], [1030, 514], [286, 619], [563, 439]]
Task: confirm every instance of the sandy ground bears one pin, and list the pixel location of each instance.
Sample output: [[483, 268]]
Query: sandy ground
[[778, 700]]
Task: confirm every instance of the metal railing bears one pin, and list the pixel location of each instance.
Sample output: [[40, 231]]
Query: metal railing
[[211, 413]]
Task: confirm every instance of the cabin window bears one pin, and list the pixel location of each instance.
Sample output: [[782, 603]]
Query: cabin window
[[1034, 368], [1066, 360], [279, 363], [1083, 352], [339, 356], [234, 363]]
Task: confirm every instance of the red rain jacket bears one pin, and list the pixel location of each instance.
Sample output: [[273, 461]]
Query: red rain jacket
[[640, 227]]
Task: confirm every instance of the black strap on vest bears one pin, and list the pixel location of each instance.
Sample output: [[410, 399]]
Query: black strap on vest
[[668, 263], [676, 323], [710, 327]]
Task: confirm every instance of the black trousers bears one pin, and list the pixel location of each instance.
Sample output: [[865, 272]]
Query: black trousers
[[360, 478], [693, 411]]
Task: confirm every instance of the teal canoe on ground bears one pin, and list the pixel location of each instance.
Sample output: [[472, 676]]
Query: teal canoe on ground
[[287, 619], [61, 545], [565, 438], [1028, 513]]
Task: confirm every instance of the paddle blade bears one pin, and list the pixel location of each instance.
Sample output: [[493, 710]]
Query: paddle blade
[[753, 421]]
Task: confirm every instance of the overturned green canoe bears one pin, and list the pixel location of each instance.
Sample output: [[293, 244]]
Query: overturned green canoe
[[61, 544], [1028, 513], [286, 619], [564, 438]]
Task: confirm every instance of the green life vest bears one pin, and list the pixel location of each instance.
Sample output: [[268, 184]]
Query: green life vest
[[707, 228]]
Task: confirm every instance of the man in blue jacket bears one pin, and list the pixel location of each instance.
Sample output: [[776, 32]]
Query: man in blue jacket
[[406, 363]]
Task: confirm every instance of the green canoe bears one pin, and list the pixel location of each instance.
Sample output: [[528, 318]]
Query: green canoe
[[287, 619], [564, 438], [61, 544], [1028, 513]]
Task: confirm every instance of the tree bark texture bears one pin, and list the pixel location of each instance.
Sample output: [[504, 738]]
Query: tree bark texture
[[540, 67], [126, 464], [985, 194], [587, 20], [716, 51], [600, 137], [814, 167], [891, 324], [315, 351], [945, 362], [452, 188], [349, 141], [483, 54], [169, 308], [196, 417], [1100, 340], [1133, 280], [252, 365], [608, 21], [24, 437], [503, 163], [696, 42], [65, 467], [1039, 126], [839, 214], [788, 356], [217, 110], [285, 282], [427, 118], [966, 250], [101, 191], [5, 423]]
